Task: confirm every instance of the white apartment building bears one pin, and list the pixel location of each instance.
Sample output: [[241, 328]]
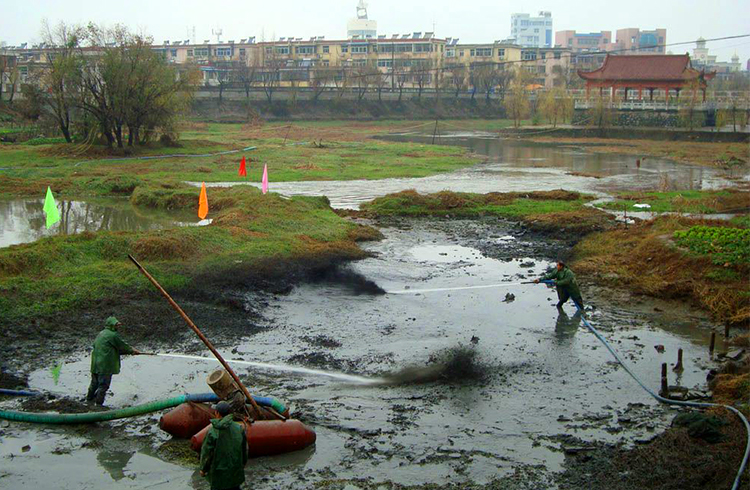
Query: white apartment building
[[530, 31]]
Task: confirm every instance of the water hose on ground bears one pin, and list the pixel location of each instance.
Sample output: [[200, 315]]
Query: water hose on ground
[[91, 417], [667, 401]]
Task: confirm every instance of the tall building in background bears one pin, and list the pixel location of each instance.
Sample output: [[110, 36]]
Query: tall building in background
[[636, 41], [579, 42], [361, 27], [530, 31]]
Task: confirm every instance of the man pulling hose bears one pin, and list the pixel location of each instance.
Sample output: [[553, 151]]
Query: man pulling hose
[[565, 283]]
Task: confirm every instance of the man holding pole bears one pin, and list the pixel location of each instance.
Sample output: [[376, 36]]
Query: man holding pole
[[565, 283], [105, 360]]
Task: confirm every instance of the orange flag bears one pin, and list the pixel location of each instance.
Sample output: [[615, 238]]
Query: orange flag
[[203, 203]]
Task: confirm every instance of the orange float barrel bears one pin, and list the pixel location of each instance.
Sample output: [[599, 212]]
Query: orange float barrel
[[187, 419], [269, 437]]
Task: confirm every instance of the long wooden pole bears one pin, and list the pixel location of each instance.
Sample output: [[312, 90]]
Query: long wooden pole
[[199, 334]]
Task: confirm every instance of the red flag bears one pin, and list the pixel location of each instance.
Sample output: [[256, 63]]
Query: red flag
[[243, 170]]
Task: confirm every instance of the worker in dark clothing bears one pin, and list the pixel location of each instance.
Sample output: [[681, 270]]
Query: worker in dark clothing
[[565, 283], [105, 360], [224, 452]]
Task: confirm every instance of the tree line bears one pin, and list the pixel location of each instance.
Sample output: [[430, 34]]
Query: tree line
[[106, 84]]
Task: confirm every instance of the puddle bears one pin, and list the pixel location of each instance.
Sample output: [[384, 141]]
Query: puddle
[[23, 220], [516, 166]]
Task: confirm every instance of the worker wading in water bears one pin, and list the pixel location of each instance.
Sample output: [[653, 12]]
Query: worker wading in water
[[565, 282], [224, 452], [105, 360]]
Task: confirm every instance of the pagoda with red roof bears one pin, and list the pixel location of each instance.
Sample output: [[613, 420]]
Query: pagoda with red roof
[[645, 72]]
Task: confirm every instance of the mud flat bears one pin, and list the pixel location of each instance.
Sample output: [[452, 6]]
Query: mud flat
[[505, 411]]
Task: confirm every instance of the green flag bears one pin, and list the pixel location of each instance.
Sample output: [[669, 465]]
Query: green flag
[[50, 209]]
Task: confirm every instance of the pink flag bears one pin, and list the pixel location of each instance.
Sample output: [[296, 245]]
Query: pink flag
[[265, 178]]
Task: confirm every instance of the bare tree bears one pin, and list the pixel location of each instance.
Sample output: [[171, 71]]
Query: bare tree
[[320, 79], [421, 74], [246, 76], [362, 79], [486, 76], [380, 82], [270, 75], [456, 79]]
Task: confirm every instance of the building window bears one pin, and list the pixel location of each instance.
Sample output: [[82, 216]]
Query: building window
[[558, 55], [281, 49], [190, 53], [305, 49], [223, 51], [201, 52], [242, 52], [404, 48], [481, 52], [359, 49], [326, 49], [461, 53], [325, 62], [501, 52], [344, 49], [173, 52], [422, 48], [450, 53], [385, 63], [528, 55]]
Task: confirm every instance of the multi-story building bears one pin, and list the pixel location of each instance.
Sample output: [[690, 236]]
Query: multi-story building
[[636, 41], [580, 42], [702, 59], [530, 31]]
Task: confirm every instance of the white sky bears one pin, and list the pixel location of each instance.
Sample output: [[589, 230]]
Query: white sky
[[470, 20]]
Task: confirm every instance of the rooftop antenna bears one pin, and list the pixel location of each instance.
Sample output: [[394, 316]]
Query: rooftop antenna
[[362, 10], [191, 34], [217, 32]]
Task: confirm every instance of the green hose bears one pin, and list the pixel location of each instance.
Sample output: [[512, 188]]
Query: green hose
[[87, 418]]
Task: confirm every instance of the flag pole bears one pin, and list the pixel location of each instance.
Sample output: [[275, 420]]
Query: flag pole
[[202, 337]]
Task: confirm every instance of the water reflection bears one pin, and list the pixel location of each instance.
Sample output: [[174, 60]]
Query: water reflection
[[566, 326], [23, 221], [114, 462]]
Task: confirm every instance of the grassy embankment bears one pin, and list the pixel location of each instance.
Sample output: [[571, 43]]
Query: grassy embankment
[[701, 153], [304, 151], [250, 232], [705, 261], [690, 201], [542, 210]]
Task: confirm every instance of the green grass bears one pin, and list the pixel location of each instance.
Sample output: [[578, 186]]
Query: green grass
[[64, 273], [347, 154], [688, 201], [510, 205]]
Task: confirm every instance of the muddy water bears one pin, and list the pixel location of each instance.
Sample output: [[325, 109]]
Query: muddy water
[[518, 166], [23, 221], [546, 382]]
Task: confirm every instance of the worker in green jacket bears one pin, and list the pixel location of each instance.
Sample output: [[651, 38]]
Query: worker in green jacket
[[565, 283], [224, 452], [105, 360]]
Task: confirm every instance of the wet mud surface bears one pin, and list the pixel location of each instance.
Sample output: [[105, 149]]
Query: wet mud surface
[[480, 388]]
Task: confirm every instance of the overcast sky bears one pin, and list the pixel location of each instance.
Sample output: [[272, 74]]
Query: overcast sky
[[470, 20]]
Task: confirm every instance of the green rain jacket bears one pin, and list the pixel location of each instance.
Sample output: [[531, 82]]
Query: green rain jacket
[[108, 346], [564, 279], [224, 454]]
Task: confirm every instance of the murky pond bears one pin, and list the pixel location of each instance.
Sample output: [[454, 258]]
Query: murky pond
[[23, 220], [516, 165], [536, 374]]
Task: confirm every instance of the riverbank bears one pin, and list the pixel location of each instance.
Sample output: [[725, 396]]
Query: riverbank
[[60, 285]]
